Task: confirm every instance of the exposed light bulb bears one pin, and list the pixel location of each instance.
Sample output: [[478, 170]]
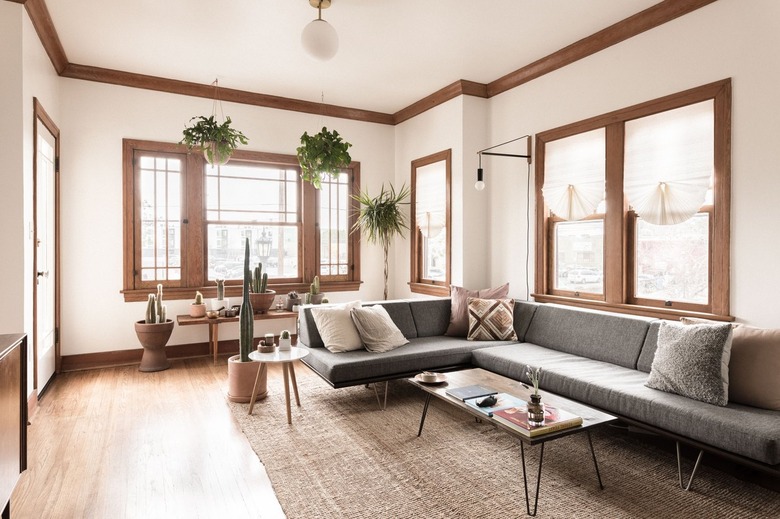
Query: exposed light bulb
[[479, 185]]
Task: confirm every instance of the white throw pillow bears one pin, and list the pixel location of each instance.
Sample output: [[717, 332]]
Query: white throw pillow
[[377, 329], [336, 328]]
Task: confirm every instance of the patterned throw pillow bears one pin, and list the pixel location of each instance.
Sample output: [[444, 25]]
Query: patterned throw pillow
[[491, 319], [692, 361], [459, 296]]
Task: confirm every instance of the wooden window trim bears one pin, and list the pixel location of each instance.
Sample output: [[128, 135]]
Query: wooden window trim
[[618, 262], [417, 283], [194, 231]]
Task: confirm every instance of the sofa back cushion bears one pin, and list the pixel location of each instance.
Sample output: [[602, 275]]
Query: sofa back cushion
[[307, 329], [401, 314], [645, 361], [600, 336], [524, 312], [431, 316]]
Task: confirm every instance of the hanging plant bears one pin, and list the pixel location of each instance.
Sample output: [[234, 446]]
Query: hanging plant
[[218, 141], [321, 154]]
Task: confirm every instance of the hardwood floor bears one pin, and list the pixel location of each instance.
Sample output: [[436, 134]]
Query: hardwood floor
[[117, 443]]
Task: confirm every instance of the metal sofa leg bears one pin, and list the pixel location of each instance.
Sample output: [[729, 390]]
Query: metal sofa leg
[[679, 468], [378, 401]]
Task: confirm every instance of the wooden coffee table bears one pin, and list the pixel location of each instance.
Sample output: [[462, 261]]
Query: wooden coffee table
[[590, 417]]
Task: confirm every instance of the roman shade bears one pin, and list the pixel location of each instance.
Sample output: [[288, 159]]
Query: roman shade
[[430, 203]]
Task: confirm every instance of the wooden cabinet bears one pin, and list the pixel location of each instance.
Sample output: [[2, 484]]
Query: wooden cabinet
[[13, 415]]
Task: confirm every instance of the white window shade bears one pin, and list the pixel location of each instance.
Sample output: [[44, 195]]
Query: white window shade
[[574, 174], [669, 162], [430, 210]]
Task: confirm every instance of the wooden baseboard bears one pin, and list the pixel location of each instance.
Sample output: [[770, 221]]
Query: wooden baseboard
[[106, 359]]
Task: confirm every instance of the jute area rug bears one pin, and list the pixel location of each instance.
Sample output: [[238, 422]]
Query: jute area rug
[[344, 458]]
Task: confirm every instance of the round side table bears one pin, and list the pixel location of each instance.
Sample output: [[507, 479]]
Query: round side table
[[286, 359]]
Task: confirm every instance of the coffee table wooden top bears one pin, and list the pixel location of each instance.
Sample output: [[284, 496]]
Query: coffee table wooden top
[[477, 376]]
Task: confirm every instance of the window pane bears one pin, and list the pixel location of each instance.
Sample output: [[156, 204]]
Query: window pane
[[251, 193], [672, 260], [435, 257], [334, 226], [579, 256], [160, 226], [276, 247], [431, 219]]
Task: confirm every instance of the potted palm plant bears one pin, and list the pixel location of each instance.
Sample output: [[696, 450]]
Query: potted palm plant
[[218, 141], [324, 153], [381, 217]]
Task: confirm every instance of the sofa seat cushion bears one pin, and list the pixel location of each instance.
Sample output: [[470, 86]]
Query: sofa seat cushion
[[743, 430], [356, 367]]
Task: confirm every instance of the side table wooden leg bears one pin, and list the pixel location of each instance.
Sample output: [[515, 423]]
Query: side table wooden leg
[[215, 341], [294, 385], [287, 391], [260, 369]]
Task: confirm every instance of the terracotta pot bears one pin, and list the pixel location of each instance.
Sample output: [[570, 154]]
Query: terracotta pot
[[317, 298], [241, 380], [292, 302], [198, 310], [263, 301], [154, 337]]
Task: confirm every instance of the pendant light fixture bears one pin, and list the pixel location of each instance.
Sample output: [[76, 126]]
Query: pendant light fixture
[[319, 38]]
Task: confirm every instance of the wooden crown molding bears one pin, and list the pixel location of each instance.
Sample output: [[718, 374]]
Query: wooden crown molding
[[650, 18]]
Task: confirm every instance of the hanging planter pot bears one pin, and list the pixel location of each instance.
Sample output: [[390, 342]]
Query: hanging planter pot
[[218, 141], [324, 153]]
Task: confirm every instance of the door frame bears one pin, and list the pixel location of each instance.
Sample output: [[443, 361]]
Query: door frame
[[39, 114]]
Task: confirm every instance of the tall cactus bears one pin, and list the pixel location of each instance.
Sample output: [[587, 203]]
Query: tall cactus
[[314, 288], [160, 308], [246, 321], [151, 310], [220, 289]]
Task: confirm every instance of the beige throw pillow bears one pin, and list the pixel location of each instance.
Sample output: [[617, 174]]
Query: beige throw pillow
[[459, 309], [336, 328], [755, 367], [377, 329]]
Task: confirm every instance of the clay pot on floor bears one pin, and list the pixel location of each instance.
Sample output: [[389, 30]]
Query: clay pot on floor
[[154, 337], [241, 380]]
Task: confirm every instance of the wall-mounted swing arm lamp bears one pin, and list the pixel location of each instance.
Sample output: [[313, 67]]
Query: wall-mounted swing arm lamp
[[480, 185]]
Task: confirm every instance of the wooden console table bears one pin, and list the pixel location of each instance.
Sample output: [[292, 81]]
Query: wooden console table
[[186, 320], [13, 415]]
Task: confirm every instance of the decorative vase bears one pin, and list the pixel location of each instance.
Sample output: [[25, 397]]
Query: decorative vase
[[153, 337], [536, 410], [261, 302], [212, 155], [241, 380], [198, 310]]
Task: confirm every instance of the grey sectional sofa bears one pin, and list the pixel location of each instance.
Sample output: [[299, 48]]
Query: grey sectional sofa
[[598, 358]]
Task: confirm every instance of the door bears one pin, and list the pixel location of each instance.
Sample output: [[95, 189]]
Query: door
[[46, 161]]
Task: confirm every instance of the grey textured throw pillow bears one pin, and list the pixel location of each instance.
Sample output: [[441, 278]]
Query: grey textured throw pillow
[[377, 329], [692, 361]]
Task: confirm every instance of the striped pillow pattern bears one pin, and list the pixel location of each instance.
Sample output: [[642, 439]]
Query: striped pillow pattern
[[491, 319]]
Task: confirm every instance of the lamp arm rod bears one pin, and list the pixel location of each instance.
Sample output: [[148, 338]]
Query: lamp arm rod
[[503, 143], [504, 154]]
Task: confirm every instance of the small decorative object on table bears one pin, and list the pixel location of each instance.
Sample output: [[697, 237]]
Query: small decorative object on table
[[198, 308], [315, 296], [265, 348], [269, 338], [221, 302], [284, 341], [293, 299], [535, 406]]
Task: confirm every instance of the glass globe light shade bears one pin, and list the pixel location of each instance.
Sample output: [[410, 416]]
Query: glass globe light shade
[[479, 185], [320, 40]]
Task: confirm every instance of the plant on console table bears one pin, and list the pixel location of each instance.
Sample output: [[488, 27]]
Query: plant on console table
[[293, 299], [535, 406], [261, 297], [241, 370], [153, 333], [198, 308]]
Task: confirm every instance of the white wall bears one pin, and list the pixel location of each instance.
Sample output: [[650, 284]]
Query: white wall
[[729, 38], [96, 117]]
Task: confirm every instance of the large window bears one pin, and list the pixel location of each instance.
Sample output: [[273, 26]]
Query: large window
[[431, 224], [186, 222], [633, 208]]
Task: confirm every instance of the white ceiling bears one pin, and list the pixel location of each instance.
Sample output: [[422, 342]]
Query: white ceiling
[[392, 52]]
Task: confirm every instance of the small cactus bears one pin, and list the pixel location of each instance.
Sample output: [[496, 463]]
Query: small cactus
[[259, 280], [160, 314], [314, 288], [151, 310], [293, 295], [220, 289], [285, 334], [308, 299], [198, 298]]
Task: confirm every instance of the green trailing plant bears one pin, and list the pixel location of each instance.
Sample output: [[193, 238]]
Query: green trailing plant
[[381, 217], [218, 141], [220, 289], [246, 321], [324, 153], [259, 280], [198, 298], [155, 310], [314, 287]]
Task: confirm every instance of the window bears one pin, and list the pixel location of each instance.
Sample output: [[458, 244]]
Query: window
[[186, 222], [431, 224], [633, 208]]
